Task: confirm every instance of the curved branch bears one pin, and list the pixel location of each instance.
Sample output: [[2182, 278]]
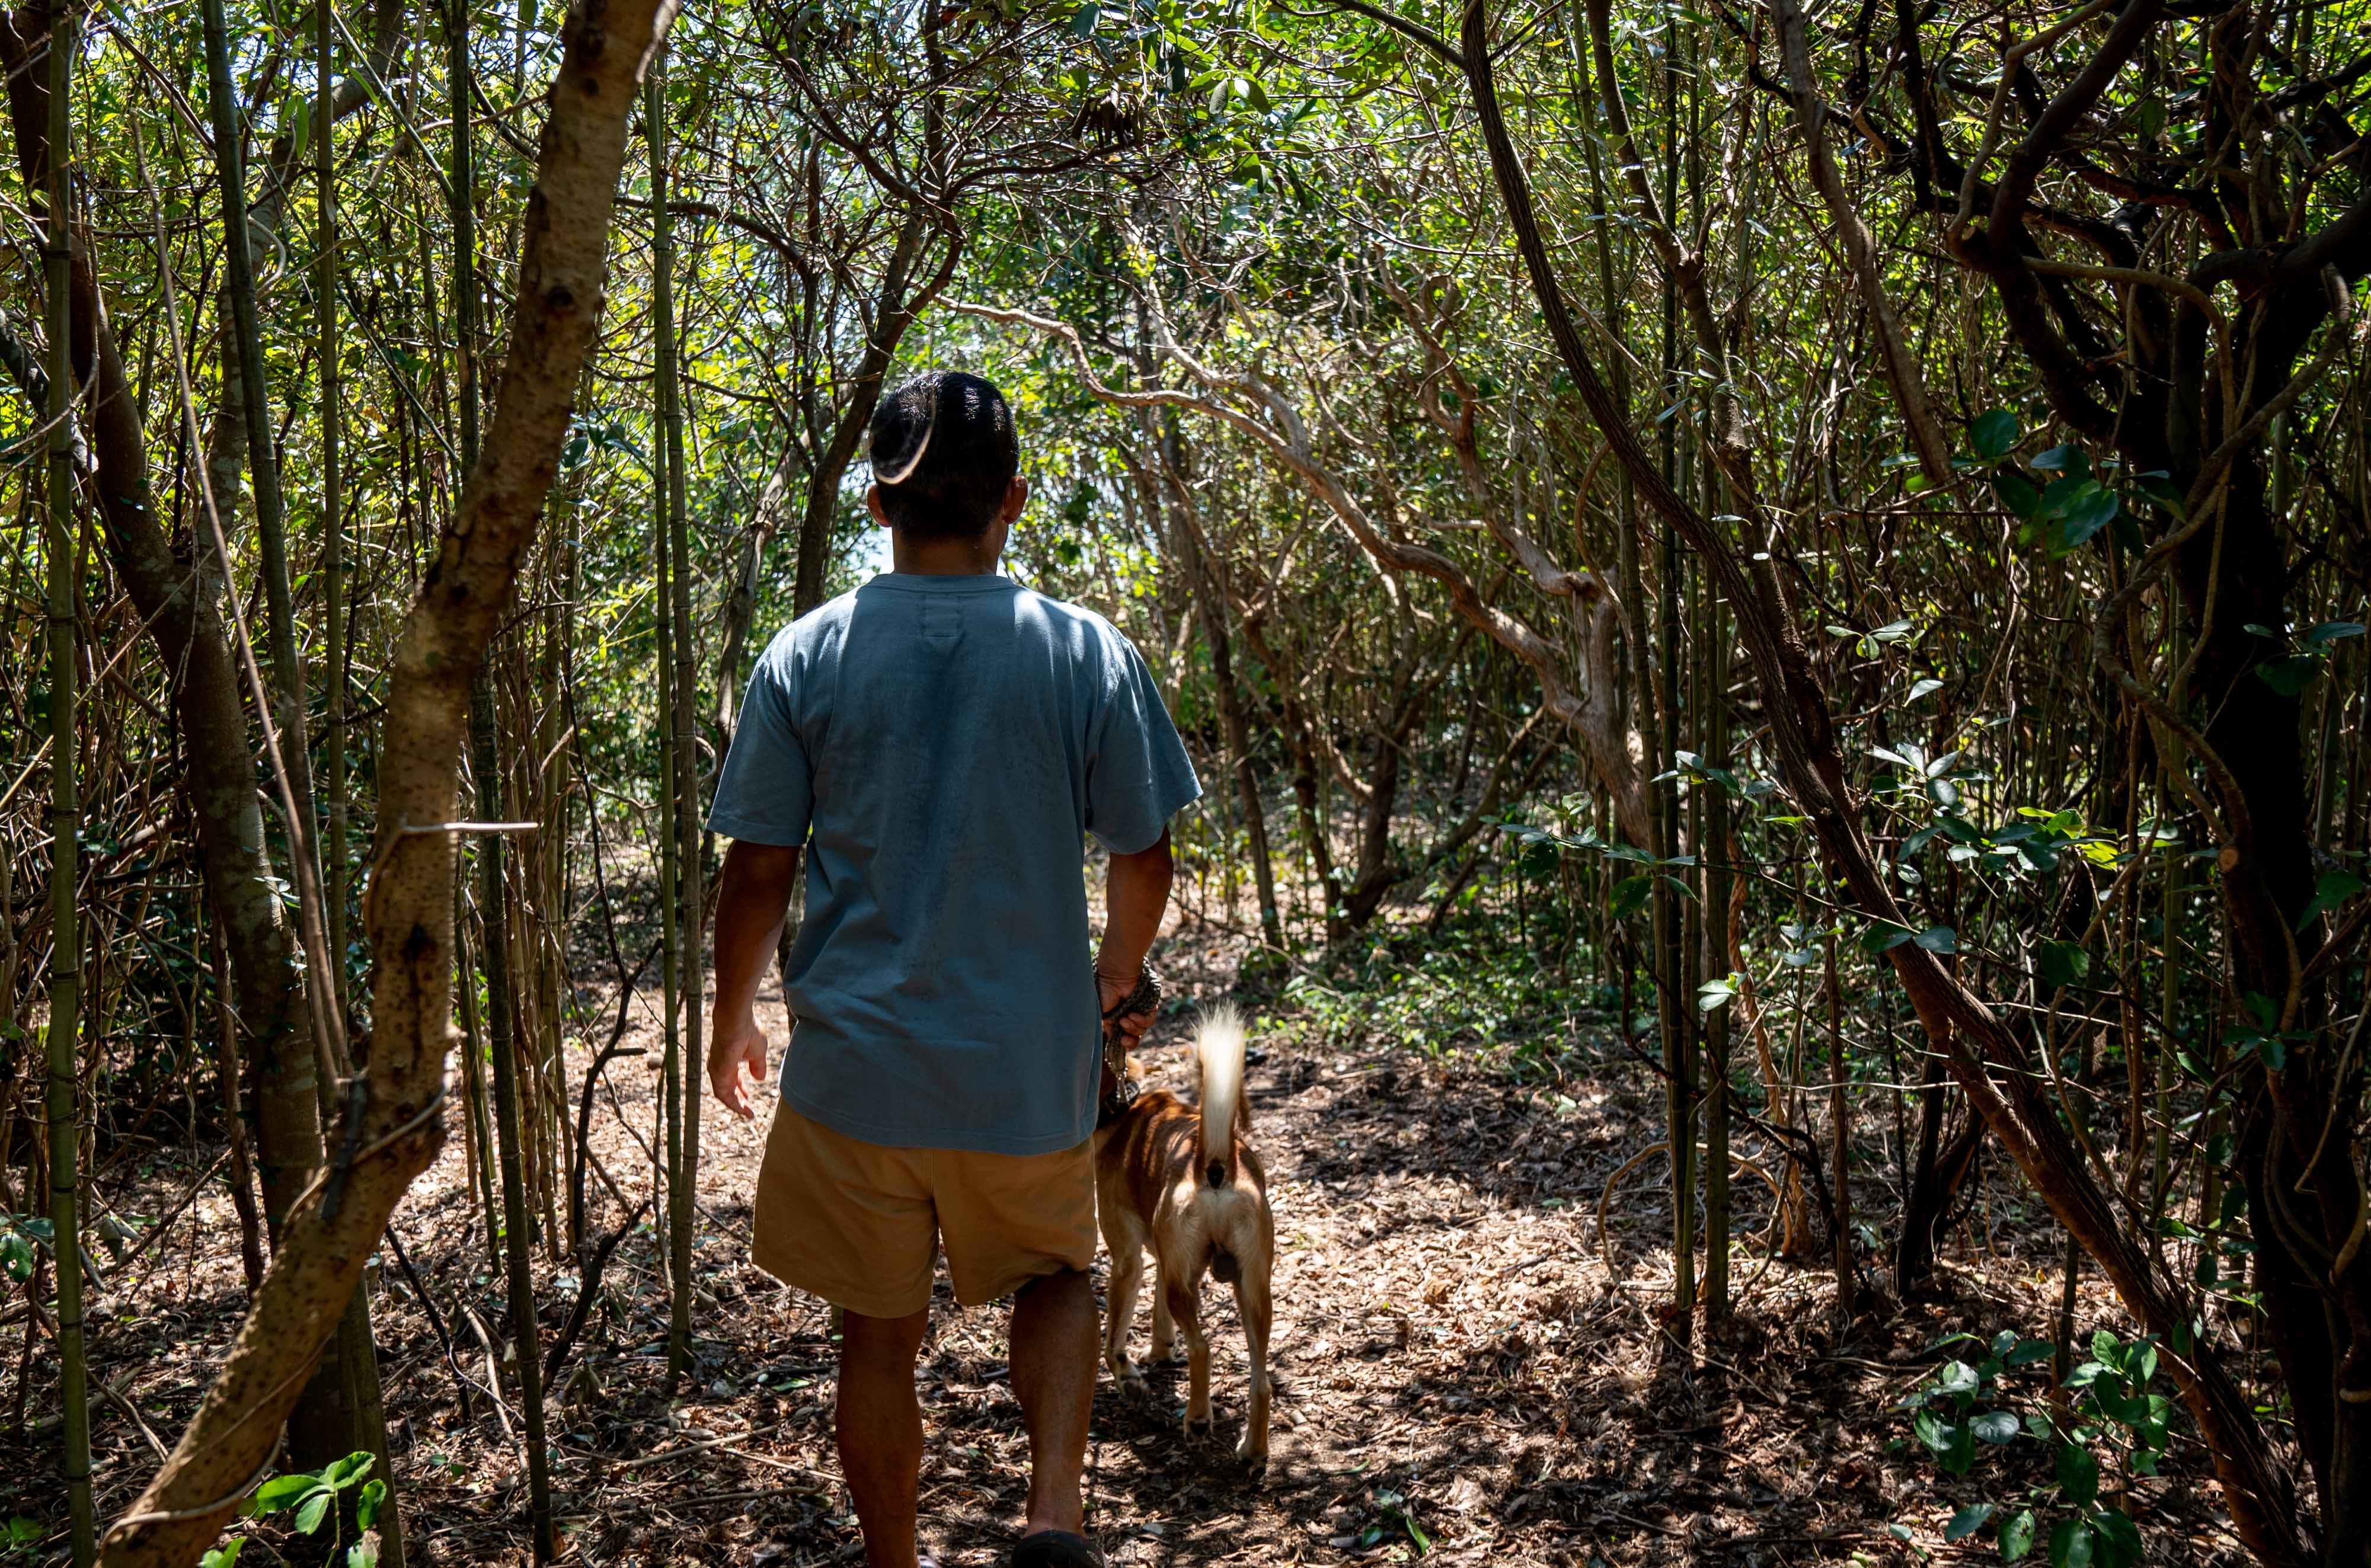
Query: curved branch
[[1612, 756]]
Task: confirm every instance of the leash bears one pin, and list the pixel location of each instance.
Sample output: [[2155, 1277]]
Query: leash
[[1119, 1090]]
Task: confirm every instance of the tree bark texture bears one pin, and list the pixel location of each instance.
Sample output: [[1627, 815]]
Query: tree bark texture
[[408, 914]]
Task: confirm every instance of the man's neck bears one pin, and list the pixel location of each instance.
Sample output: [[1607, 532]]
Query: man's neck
[[941, 557]]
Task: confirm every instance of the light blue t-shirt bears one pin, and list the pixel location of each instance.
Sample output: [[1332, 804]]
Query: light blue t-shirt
[[942, 746]]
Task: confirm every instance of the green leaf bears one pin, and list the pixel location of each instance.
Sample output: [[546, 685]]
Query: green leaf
[[2078, 1478], [2289, 676], [1957, 1378], [2017, 1535], [16, 1256], [371, 1500], [2064, 963], [314, 1509], [1993, 432], [344, 1473], [1880, 937], [2331, 890], [1968, 1521], [2030, 1351], [225, 1555], [1082, 25], [1951, 1442], [2017, 494], [2070, 1544], [1939, 938], [2119, 1538], [281, 1491], [1630, 895], [2274, 1051], [2328, 632], [2064, 458], [2090, 509], [363, 1554], [1997, 1428]]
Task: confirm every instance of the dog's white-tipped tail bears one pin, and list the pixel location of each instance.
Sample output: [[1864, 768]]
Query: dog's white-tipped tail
[[1219, 1046]]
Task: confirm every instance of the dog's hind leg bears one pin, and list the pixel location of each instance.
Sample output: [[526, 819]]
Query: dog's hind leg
[[1127, 1272], [1165, 1330], [1253, 1305], [1185, 1298]]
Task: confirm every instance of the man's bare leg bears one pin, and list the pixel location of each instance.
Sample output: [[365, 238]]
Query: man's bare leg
[[1054, 1378], [880, 1430]]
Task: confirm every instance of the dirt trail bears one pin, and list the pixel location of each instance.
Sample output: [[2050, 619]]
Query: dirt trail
[[1458, 1377]]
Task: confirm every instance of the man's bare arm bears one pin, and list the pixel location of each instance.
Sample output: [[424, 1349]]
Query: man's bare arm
[[753, 896], [1135, 895]]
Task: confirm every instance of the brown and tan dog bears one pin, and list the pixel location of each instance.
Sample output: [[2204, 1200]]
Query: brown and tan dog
[[1183, 1177]]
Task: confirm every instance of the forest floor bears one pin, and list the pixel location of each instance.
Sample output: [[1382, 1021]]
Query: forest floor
[[1460, 1377]]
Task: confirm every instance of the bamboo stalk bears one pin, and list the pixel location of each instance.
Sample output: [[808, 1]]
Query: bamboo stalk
[[272, 537], [1719, 962], [333, 548], [518, 1270], [683, 754], [63, 1035], [1840, 1127]]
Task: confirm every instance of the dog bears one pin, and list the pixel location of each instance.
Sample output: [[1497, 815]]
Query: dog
[[1183, 1177]]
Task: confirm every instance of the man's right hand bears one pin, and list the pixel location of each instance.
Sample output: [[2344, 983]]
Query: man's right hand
[[1130, 1027], [752, 894], [736, 1045]]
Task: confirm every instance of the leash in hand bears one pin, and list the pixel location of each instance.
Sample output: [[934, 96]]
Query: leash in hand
[[1119, 1090]]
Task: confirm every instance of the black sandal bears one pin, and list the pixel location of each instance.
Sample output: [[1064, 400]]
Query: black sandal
[[1055, 1549]]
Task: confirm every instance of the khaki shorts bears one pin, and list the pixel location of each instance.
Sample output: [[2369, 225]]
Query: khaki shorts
[[858, 1224]]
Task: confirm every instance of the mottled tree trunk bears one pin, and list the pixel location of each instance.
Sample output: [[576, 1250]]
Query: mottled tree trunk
[[328, 1235]]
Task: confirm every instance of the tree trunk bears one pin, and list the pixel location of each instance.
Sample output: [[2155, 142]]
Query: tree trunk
[[409, 914], [1803, 741], [1237, 725], [893, 314]]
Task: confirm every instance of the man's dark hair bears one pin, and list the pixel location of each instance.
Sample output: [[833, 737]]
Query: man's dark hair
[[944, 453]]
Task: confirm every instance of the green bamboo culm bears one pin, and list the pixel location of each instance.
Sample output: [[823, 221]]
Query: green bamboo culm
[[356, 1348], [66, 805], [682, 750], [1719, 854], [271, 523], [333, 544], [500, 1038], [1670, 962], [493, 908]]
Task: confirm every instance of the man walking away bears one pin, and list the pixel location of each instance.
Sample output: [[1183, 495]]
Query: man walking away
[[940, 742]]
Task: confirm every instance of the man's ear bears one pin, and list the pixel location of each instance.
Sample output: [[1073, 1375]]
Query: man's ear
[[1017, 496], [872, 505]]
